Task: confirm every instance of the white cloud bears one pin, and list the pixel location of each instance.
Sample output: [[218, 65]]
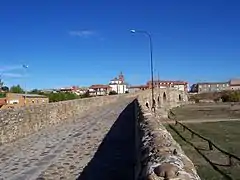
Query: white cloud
[[10, 68], [82, 33], [12, 75]]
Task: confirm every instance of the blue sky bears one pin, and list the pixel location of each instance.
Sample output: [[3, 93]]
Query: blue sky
[[76, 42]]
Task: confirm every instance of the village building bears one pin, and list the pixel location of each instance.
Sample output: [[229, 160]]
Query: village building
[[235, 84], [180, 85], [99, 90], [119, 85], [13, 100], [136, 88]]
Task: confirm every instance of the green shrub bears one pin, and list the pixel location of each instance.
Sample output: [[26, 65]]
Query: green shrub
[[2, 95], [113, 93], [61, 96], [85, 95], [233, 96], [197, 100]]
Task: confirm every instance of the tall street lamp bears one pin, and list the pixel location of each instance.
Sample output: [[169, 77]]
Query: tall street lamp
[[25, 67], [151, 58]]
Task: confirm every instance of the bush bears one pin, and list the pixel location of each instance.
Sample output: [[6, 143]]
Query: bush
[[231, 96], [85, 95], [16, 89], [216, 99], [2, 95], [197, 100], [113, 93], [55, 97]]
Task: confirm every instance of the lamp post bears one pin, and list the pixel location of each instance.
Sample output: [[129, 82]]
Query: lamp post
[[25, 68], [151, 60], [1, 82]]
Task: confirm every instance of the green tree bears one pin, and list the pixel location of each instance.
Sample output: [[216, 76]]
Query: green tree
[[61, 96], [36, 91], [2, 95], [16, 89], [5, 89]]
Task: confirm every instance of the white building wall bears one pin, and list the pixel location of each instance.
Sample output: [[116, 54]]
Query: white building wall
[[117, 82], [235, 87], [119, 88], [180, 87], [114, 87]]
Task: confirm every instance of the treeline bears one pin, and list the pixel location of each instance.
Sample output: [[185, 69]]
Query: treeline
[[59, 96], [13, 89], [53, 96], [2, 95], [63, 96]]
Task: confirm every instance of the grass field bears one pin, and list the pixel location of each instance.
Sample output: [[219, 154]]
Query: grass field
[[225, 135]]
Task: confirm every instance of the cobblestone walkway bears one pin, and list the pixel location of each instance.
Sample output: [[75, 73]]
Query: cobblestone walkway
[[60, 152]]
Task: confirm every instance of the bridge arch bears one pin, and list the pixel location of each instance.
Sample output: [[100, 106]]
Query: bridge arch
[[164, 96], [179, 97]]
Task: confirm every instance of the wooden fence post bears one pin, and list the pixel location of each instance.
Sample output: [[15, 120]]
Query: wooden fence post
[[210, 145], [230, 160], [192, 135]]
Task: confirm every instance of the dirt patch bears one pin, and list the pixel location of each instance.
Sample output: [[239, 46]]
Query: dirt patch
[[207, 111]]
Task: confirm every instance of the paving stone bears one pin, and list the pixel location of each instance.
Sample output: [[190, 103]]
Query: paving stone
[[59, 152]]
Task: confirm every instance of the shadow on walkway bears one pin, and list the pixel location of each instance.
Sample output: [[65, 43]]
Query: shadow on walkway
[[114, 159]]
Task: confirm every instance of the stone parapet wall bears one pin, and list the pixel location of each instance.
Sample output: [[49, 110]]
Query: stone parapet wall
[[166, 158], [20, 122], [96, 146], [157, 154]]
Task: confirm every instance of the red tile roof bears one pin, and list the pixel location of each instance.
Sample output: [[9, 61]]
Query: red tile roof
[[169, 82], [235, 82], [97, 86]]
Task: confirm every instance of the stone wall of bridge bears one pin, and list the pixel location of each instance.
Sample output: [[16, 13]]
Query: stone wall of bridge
[[158, 155], [20, 122], [165, 98], [166, 159]]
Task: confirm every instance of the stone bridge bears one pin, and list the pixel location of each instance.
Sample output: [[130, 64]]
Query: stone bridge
[[102, 138]]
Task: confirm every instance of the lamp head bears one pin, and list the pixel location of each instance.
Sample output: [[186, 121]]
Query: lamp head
[[133, 31], [25, 66]]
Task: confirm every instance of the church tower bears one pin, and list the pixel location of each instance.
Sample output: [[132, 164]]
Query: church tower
[[121, 77]]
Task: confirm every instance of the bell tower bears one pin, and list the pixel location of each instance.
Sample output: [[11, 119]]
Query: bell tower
[[121, 77]]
